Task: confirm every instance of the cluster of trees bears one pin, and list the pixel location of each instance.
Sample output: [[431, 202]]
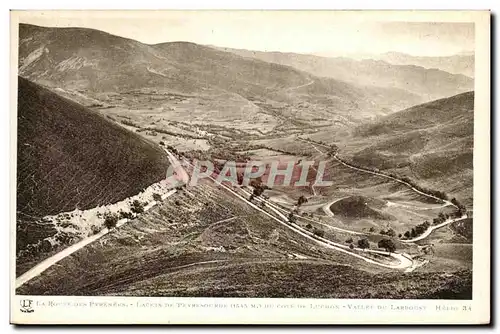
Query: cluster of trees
[[172, 149], [129, 123], [125, 214], [417, 230], [258, 188], [110, 220], [363, 243], [441, 218], [387, 244], [317, 231], [305, 214], [137, 207], [390, 232]]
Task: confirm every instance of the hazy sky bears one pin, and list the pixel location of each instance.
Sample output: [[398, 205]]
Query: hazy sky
[[327, 33]]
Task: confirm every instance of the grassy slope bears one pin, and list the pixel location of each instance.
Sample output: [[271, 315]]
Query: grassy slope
[[432, 143], [165, 253], [69, 156]]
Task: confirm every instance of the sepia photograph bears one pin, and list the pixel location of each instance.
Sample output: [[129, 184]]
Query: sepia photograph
[[278, 155]]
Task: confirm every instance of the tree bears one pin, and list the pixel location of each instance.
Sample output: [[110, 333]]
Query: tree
[[351, 246], [413, 233], [372, 229], [157, 197], [419, 229], [400, 235], [110, 220], [309, 226], [387, 244], [390, 232], [349, 241], [301, 200], [137, 207], [407, 234], [363, 243]]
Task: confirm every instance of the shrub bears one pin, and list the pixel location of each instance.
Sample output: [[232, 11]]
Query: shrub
[[301, 200], [309, 226], [349, 241], [110, 220], [363, 243], [95, 229], [157, 197], [137, 207], [319, 232]]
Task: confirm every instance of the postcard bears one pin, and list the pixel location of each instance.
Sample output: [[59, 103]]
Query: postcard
[[250, 167]]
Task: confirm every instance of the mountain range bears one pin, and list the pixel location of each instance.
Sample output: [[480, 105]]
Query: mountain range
[[462, 63], [429, 83], [91, 62]]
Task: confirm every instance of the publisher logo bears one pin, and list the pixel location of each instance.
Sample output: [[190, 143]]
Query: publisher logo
[[26, 306]]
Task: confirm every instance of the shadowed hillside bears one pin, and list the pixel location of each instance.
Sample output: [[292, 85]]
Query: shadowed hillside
[[69, 156]]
